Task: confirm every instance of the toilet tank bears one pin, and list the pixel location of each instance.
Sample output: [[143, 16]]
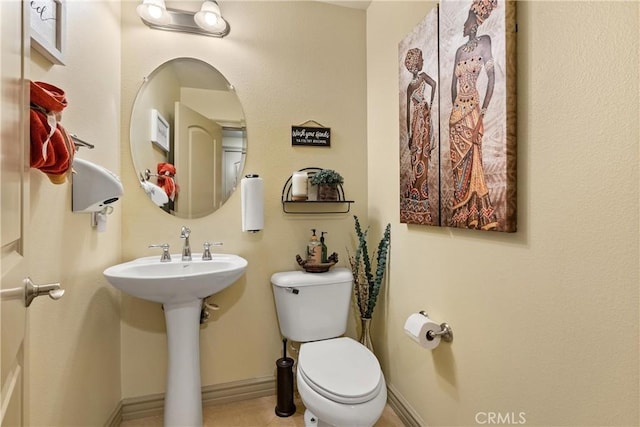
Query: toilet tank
[[312, 306]]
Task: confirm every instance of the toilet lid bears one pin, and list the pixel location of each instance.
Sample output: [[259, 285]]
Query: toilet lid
[[340, 369]]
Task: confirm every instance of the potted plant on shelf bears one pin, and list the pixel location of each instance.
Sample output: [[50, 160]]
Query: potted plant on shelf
[[327, 181], [366, 282]]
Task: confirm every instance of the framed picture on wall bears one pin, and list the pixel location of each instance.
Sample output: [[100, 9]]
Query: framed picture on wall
[[458, 117], [47, 22], [159, 130], [478, 113], [419, 133]]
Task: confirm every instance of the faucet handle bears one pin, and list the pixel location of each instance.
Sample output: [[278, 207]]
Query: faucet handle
[[166, 256], [206, 253]]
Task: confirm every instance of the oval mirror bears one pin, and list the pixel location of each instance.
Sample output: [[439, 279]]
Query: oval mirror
[[188, 138]]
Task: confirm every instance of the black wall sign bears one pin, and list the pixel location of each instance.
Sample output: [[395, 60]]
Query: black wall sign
[[311, 136]]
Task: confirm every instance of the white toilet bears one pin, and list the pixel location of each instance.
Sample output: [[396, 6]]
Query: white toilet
[[339, 380]]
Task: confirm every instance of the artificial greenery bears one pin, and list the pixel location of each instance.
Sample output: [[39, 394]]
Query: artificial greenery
[[366, 283], [327, 176]]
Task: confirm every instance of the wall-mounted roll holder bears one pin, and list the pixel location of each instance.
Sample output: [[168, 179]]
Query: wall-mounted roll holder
[[446, 333]]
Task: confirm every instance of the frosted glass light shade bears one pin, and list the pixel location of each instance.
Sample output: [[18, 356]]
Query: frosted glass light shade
[[209, 17], [154, 11]]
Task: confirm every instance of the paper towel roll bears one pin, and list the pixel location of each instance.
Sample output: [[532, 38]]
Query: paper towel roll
[[417, 326], [252, 199]]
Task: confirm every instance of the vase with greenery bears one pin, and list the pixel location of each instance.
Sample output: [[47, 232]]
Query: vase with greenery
[[327, 181], [367, 280]]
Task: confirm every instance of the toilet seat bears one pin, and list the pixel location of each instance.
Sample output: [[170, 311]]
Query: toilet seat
[[340, 369]]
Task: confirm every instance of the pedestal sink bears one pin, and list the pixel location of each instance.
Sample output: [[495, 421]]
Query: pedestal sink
[[180, 287]]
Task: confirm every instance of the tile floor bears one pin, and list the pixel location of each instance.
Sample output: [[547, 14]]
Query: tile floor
[[255, 413]]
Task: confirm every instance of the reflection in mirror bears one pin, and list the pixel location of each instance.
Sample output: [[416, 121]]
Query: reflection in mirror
[[188, 138]]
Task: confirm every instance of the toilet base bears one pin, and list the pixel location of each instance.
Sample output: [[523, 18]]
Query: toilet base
[[310, 420]]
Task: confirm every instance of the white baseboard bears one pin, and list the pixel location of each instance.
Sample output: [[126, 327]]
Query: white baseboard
[[153, 404], [116, 417], [238, 390], [403, 410]]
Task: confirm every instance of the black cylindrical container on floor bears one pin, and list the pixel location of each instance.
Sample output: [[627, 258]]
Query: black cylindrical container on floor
[[285, 406]]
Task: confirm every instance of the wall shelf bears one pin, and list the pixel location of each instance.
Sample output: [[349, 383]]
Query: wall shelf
[[310, 207]]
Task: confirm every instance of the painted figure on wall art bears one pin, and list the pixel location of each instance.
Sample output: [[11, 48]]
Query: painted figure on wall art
[[419, 176], [457, 117], [477, 155], [472, 206]]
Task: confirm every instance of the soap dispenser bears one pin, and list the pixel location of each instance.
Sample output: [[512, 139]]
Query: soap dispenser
[[324, 247], [314, 249]]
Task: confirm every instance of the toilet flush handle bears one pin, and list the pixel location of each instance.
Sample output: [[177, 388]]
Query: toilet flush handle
[[292, 290]]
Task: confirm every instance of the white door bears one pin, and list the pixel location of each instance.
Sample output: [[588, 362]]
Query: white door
[[14, 185], [198, 162]]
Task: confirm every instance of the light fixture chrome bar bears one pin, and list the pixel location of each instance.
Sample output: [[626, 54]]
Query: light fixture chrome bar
[[183, 21]]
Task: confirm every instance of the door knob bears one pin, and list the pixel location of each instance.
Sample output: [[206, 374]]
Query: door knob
[[31, 290]]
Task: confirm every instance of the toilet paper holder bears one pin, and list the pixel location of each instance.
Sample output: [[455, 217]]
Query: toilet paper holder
[[446, 333]]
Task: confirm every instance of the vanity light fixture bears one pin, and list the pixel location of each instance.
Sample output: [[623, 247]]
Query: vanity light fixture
[[208, 21], [153, 12]]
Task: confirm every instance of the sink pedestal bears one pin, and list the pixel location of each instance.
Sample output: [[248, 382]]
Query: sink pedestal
[[183, 399], [180, 286]]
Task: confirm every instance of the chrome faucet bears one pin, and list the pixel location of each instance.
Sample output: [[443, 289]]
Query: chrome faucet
[[166, 256], [186, 250], [206, 253]]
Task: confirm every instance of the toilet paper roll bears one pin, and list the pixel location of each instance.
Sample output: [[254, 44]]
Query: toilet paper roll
[[417, 326], [252, 200]]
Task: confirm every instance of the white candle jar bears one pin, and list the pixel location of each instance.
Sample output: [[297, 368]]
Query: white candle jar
[[299, 186]]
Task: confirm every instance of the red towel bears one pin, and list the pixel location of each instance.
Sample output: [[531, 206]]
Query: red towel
[[52, 149], [166, 175]]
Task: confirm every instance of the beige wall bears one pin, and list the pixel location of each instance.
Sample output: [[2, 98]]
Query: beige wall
[[73, 351], [290, 62], [546, 319]]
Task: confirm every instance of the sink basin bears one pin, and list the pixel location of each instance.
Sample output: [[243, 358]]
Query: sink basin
[[180, 286], [176, 281]]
